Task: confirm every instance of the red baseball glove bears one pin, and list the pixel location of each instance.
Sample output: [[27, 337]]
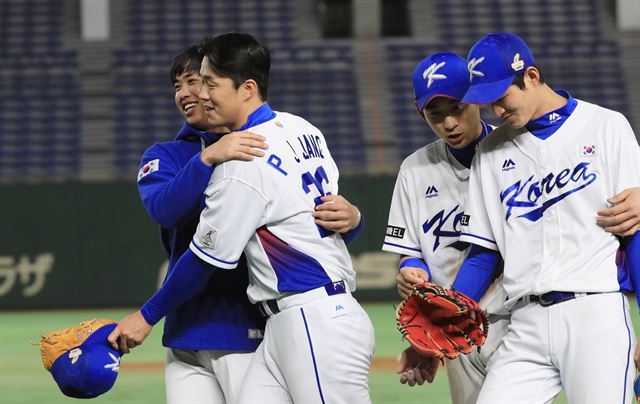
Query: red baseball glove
[[440, 322]]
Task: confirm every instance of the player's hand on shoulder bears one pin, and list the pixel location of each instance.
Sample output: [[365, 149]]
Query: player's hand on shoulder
[[415, 368], [130, 332], [234, 146], [623, 218], [336, 214], [409, 276]]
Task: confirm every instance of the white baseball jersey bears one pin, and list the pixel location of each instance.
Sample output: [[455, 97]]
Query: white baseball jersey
[[426, 211], [264, 207], [535, 200]]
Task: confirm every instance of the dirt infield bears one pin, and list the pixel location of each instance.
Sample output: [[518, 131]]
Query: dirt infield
[[378, 364]]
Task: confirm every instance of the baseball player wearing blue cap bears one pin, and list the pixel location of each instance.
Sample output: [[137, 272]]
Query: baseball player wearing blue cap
[[211, 337], [427, 209], [534, 183], [300, 274]]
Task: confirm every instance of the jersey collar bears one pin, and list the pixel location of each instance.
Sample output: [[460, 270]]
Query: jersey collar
[[549, 123], [261, 115]]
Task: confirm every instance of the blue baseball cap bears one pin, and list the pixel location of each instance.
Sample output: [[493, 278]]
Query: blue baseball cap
[[440, 75], [91, 368], [493, 62]]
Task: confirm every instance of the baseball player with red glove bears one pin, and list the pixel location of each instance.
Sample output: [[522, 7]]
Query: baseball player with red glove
[[427, 210]]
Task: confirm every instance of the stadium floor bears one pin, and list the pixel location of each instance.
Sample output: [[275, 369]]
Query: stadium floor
[[23, 379]]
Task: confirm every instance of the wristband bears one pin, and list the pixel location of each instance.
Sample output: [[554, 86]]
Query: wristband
[[416, 263]]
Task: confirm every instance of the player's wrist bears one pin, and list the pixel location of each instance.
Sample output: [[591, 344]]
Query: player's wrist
[[358, 218]]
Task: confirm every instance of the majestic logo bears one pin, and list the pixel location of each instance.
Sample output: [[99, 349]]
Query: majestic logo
[[525, 196], [397, 232], [430, 73], [508, 165], [588, 151], [444, 225], [517, 63], [471, 66], [115, 366], [553, 117], [431, 191]]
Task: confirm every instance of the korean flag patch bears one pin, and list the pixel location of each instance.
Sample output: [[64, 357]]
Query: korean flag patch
[[153, 165], [588, 151]]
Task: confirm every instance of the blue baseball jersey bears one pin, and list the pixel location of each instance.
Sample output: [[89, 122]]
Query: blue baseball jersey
[[171, 182]]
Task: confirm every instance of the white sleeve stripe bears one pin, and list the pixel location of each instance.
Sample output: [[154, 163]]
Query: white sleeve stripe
[[478, 237], [401, 246], [211, 256]]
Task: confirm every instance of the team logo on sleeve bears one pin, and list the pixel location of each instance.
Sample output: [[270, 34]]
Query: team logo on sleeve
[[588, 151], [394, 231], [524, 195], [209, 238], [152, 166]]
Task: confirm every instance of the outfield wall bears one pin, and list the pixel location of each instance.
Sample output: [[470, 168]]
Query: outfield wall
[[92, 245]]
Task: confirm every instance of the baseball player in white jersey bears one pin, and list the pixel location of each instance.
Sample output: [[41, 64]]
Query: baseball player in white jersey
[[318, 341], [534, 185], [426, 210]]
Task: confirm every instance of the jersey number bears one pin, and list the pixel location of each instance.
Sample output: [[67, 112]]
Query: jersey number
[[317, 180]]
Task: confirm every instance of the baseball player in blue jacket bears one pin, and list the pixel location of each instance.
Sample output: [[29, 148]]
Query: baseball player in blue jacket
[[211, 337]]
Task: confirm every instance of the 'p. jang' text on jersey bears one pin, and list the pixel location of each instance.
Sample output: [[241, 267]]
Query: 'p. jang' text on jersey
[[535, 200], [427, 210], [264, 207]]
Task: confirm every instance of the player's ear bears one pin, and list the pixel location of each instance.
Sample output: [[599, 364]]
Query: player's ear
[[249, 88], [532, 75]]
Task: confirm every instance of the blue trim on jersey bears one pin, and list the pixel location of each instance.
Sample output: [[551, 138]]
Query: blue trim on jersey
[[212, 257], [261, 115], [626, 370], [478, 237], [549, 123], [401, 246], [295, 270], [313, 355]]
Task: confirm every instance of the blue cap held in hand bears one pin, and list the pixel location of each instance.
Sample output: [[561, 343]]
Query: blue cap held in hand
[[493, 62], [440, 75], [80, 359]]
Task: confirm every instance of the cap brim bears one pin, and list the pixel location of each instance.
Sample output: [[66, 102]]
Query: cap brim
[[424, 101], [486, 92]]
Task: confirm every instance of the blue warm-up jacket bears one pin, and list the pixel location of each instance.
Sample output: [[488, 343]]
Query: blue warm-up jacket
[[171, 183]]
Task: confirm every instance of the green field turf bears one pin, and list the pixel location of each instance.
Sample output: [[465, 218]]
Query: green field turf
[[23, 379]]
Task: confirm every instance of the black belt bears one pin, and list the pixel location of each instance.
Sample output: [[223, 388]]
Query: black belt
[[268, 308], [551, 298]]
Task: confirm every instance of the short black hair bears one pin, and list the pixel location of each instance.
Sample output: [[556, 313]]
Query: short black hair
[[188, 61], [240, 57], [518, 79]]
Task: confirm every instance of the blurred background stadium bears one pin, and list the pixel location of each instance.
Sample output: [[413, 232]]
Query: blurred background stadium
[[85, 89]]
